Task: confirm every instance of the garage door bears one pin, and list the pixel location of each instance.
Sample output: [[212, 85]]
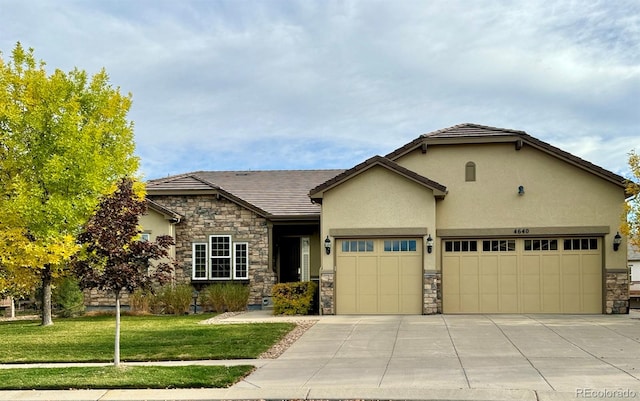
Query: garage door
[[542, 275], [379, 276]]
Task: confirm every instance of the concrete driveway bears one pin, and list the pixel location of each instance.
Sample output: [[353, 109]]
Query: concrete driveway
[[574, 355]]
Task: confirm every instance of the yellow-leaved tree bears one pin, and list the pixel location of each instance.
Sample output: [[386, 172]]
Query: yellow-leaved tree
[[65, 140], [631, 220]]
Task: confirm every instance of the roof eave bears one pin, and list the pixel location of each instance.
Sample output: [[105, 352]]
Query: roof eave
[[167, 213]]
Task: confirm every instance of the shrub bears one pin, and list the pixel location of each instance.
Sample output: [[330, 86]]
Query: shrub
[[212, 298], [176, 299], [228, 297], [141, 301], [236, 297], [293, 298], [68, 298]]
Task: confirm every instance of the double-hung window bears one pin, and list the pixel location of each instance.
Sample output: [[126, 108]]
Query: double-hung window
[[220, 259]]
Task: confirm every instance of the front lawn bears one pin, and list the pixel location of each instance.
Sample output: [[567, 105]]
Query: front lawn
[[143, 338], [126, 377]]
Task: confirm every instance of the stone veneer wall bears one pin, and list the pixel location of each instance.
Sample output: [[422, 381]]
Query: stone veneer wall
[[327, 295], [617, 292], [206, 215], [96, 298], [432, 293]]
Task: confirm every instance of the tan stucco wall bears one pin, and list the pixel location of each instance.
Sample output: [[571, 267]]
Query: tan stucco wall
[[315, 257], [377, 199], [156, 225], [557, 194]]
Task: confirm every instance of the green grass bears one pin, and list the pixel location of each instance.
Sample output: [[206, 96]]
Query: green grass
[[126, 377], [143, 338]]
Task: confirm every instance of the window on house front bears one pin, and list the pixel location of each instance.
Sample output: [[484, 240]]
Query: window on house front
[[200, 261], [470, 171], [220, 259], [241, 260], [145, 237]]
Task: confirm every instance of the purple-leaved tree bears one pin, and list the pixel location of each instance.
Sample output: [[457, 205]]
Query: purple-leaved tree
[[114, 259]]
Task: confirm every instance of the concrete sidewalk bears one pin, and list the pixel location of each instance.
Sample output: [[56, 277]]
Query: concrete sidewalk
[[441, 357]]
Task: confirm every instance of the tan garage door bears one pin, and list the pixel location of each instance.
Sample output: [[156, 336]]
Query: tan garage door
[[542, 275], [379, 276]]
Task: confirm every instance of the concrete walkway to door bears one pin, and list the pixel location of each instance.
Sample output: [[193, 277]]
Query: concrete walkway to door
[[550, 356]]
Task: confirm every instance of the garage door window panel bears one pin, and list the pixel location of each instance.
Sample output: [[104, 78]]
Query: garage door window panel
[[400, 245], [501, 245], [461, 246], [541, 245], [580, 244], [357, 246]]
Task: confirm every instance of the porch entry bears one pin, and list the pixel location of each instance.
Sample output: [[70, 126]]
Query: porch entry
[[294, 259]]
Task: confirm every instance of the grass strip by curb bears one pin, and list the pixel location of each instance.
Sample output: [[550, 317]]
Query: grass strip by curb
[[127, 377]]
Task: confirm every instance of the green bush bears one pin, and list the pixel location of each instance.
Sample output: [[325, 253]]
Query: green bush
[[293, 298], [176, 299], [212, 298], [227, 297], [68, 298], [141, 301], [236, 297]]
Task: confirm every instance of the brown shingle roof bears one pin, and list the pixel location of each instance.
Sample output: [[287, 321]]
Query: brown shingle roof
[[438, 189], [474, 133], [276, 193]]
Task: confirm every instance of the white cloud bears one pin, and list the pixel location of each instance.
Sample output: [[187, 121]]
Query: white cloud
[[314, 84]]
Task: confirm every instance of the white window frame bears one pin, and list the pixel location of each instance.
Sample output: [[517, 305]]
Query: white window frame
[[232, 256], [194, 260], [228, 257], [236, 257]]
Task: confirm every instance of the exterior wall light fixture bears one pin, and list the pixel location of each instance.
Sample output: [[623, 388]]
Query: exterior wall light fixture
[[520, 190], [429, 244], [327, 245], [617, 240]]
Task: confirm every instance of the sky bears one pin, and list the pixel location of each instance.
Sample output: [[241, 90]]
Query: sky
[[271, 84]]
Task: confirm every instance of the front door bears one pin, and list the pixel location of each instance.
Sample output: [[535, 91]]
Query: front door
[[294, 259]]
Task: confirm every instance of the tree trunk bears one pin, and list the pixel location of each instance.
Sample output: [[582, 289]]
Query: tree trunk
[[46, 296], [12, 308], [116, 355]]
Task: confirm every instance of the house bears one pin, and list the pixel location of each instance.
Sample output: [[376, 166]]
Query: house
[[158, 221], [467, 219]]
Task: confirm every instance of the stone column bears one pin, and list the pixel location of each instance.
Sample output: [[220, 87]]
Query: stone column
[[327, 295], [617, 291], [432, 293]]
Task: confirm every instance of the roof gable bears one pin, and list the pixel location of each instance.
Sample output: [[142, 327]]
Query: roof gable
[[164, 211], [317, 193], [474, 133]]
